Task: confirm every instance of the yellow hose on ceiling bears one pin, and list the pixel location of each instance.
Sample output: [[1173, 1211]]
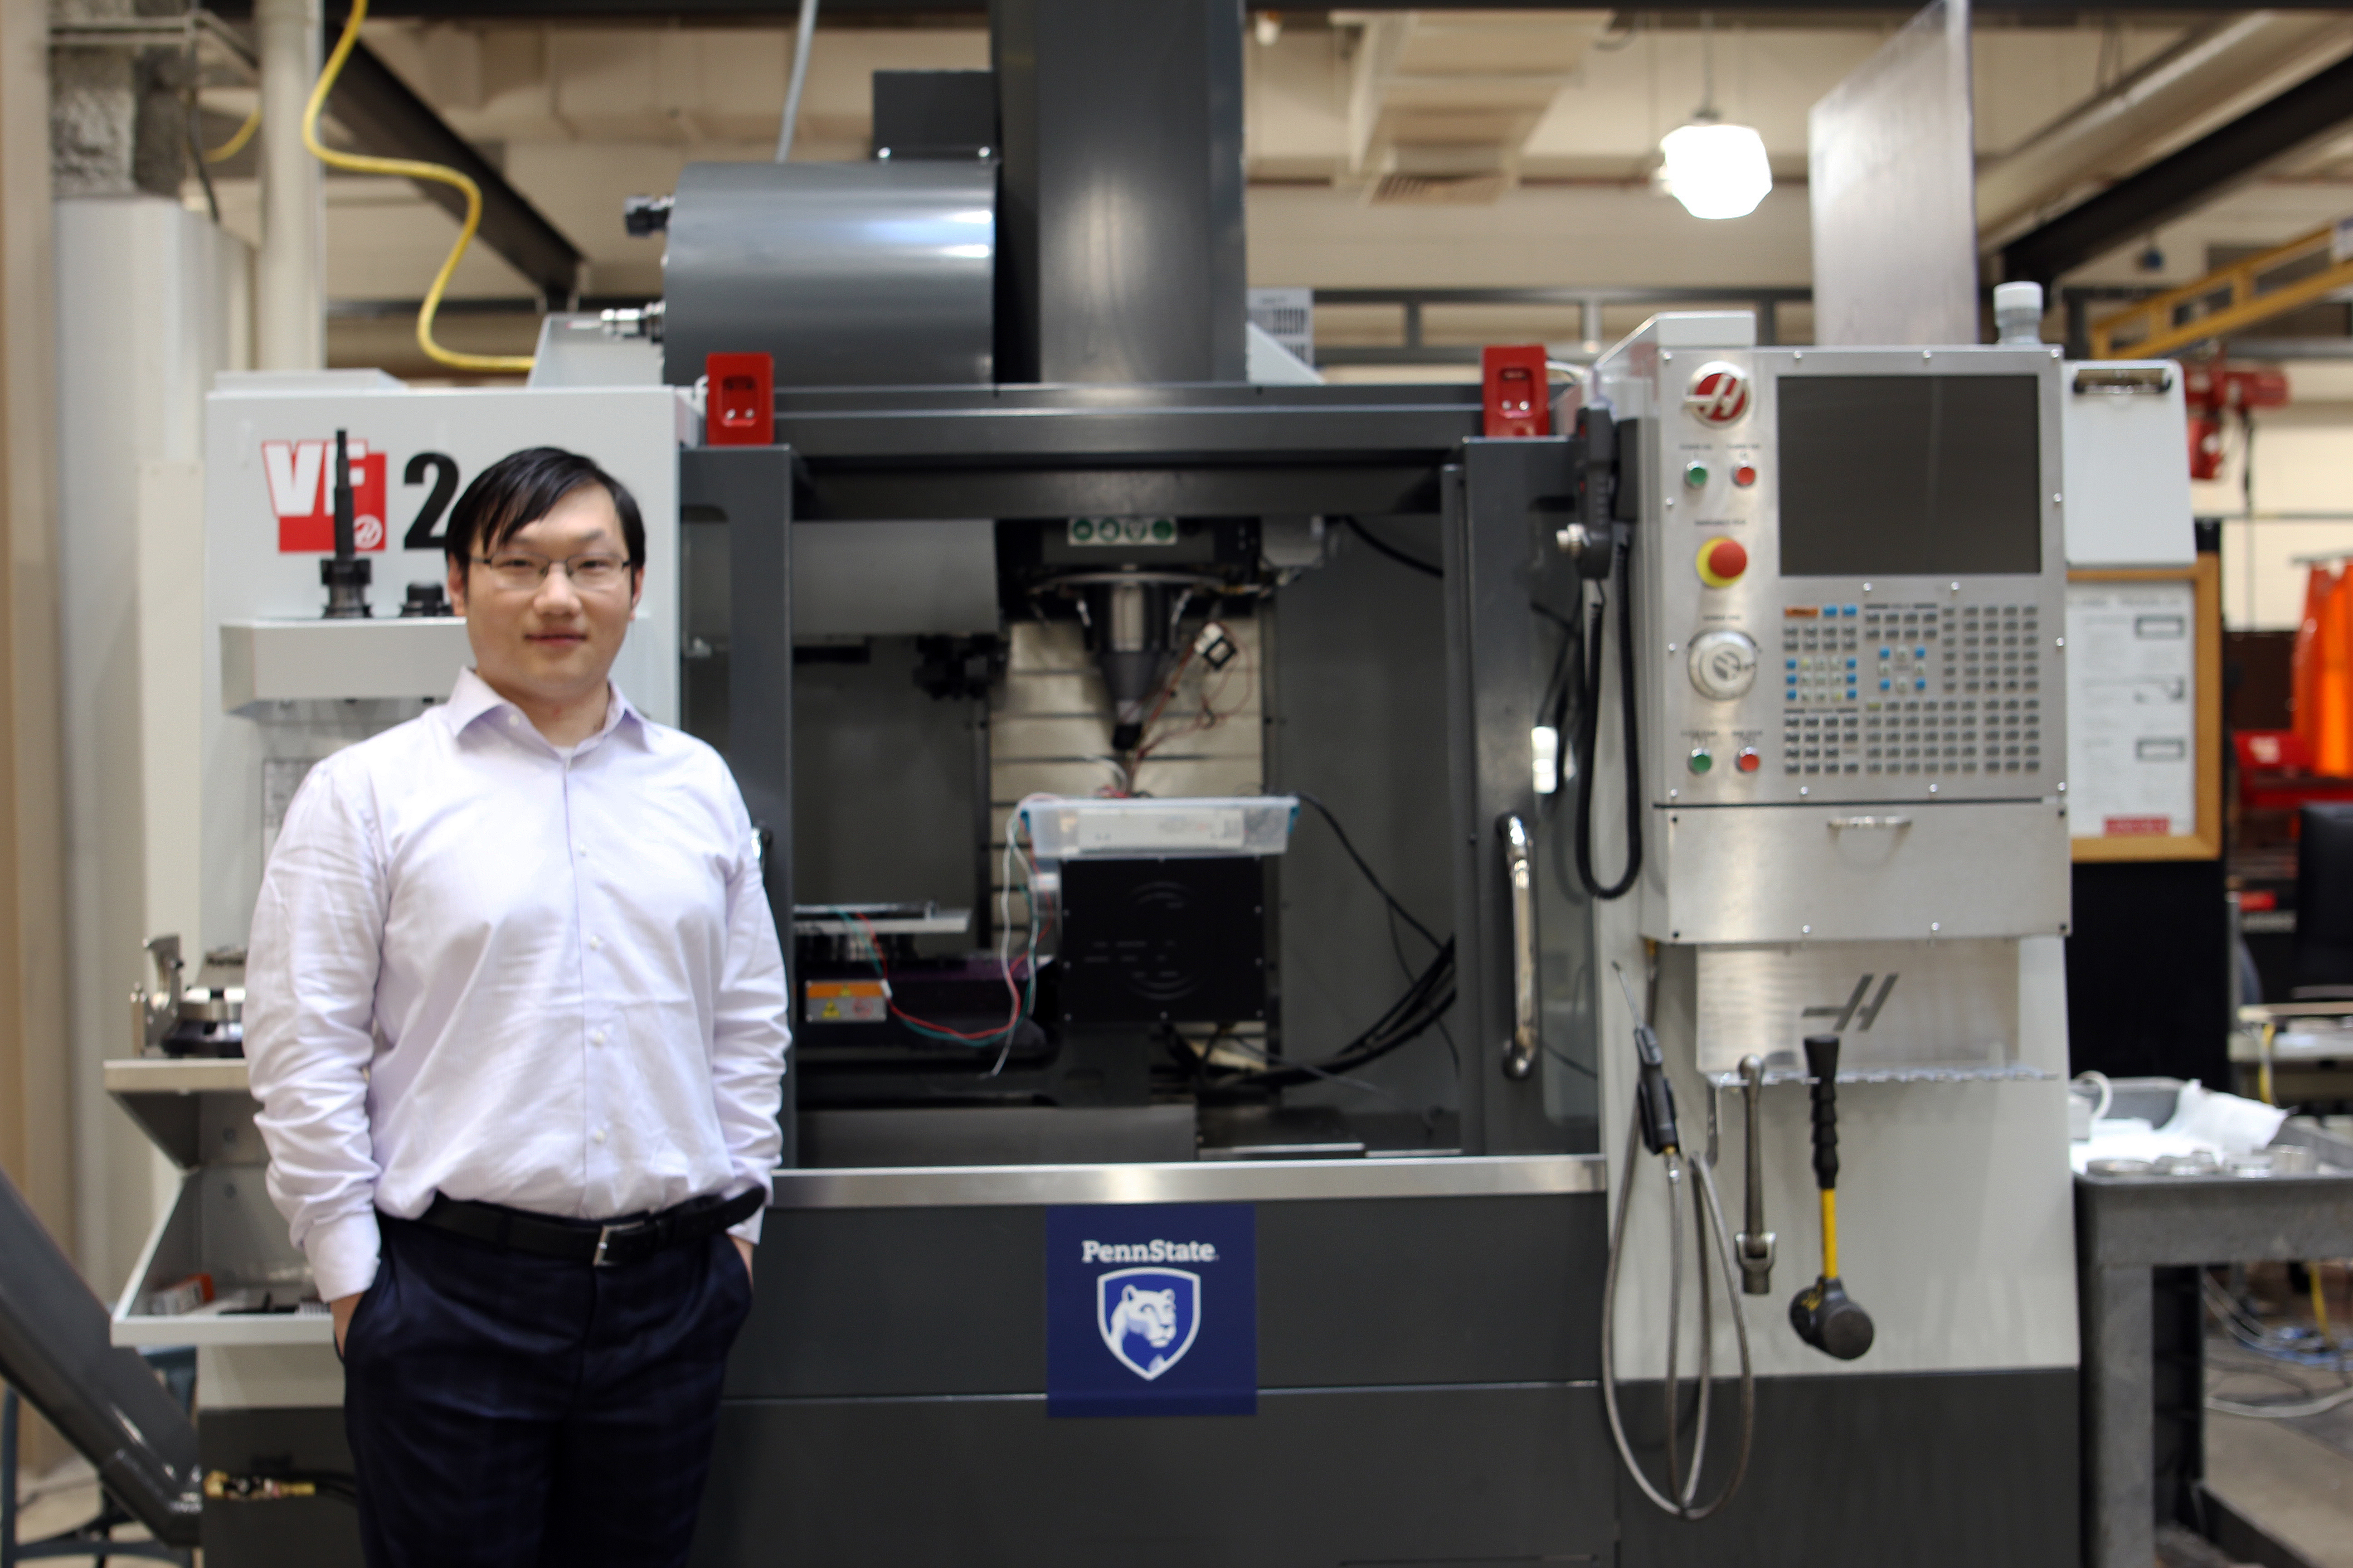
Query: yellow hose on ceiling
[[407, 169], [236, 145]]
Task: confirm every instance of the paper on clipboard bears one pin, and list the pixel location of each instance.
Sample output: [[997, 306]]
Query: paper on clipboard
[[2132, 733]]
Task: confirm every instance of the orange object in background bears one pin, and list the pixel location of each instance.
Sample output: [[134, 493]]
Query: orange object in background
[[2322, 703]]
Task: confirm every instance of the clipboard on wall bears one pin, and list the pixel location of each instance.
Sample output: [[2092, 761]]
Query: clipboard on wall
[[2145, 712]]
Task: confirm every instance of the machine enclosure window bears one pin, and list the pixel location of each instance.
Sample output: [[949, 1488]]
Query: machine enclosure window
[[1910, 475]]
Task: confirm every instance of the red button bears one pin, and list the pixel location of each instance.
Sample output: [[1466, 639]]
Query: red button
[[1744, 475], [1721, 563], [1748, 761]]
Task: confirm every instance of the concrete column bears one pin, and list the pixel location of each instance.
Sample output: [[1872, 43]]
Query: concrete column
[[291, 275]]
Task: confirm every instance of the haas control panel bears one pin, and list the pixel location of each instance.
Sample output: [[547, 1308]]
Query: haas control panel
[[1850, 592]]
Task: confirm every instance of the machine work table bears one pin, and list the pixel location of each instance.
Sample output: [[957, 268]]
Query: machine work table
[[2124, 1228]]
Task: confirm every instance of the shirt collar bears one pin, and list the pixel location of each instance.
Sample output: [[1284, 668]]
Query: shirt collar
[[473, 698]]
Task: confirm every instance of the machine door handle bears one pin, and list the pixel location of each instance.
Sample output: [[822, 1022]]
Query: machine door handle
[[1870, 822], [1519, 869]]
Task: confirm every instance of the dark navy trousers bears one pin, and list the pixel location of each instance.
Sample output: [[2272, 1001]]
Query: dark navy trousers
[[507, 1410]]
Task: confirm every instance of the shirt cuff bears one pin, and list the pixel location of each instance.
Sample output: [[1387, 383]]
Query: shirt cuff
[[750, 1230], [343, 1254]]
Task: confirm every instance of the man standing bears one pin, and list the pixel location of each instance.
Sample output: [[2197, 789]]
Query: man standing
[[517, 1021]]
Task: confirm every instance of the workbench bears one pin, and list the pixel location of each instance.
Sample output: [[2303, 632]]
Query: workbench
[[2126, 1226]]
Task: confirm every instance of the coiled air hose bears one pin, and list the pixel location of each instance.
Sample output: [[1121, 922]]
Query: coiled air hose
[[1652, 1126], [407, 169]]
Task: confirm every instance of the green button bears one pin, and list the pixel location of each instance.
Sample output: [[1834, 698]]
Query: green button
[[1701, 762], [1695, 474]]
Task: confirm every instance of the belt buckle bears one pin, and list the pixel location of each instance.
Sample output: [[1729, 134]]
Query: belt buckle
[[607, 1233]]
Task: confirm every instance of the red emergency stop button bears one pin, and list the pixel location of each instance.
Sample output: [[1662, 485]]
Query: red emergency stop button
[[1721, 562], [1744, 475], [1748, 761]]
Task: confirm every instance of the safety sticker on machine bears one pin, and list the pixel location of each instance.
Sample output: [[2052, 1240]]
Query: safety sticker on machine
[[1151, 1310]]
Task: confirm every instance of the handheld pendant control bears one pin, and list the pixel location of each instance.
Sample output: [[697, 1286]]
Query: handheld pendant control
[[1824, 1315]]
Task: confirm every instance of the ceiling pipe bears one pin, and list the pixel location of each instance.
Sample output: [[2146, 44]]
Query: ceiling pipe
[[290, 315]]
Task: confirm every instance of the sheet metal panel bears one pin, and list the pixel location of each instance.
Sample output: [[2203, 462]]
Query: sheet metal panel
[[1893, 190]]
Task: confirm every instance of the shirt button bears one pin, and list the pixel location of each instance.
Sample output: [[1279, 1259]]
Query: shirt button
[[600, 1135], [596, 945], [595, 1036]]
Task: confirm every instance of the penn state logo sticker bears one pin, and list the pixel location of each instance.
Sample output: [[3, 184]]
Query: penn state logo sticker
[[1148, 1317]]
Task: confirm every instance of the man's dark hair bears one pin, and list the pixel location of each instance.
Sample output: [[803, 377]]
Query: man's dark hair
[[524, 487]]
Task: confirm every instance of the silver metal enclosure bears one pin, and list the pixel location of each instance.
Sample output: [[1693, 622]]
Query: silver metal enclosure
[[876, 274]]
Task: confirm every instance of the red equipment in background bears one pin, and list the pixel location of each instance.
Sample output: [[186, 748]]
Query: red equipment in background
[[2213, 392], [739, 400], [1518, 390]]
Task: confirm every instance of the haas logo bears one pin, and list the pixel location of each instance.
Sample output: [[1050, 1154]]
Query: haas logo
[[1148, 1317], [1718, 394], [301, 478]]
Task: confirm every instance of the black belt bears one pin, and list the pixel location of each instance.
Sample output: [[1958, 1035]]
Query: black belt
[[586, 1241]]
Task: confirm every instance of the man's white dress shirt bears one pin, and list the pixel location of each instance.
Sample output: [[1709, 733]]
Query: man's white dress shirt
[[488, 966]]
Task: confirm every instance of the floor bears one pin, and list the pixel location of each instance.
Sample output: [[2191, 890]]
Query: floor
[[2297, 1485], [60, 1500], [2292, 1478]]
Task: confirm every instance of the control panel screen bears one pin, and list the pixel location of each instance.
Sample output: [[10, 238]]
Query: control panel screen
[[1910, 475]]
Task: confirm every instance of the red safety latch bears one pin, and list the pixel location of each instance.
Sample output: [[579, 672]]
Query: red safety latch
[[1517, 390], [739, 401]]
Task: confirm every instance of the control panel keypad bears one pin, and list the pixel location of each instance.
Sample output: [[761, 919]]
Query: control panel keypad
[[1949, 735], [1821, 654], [1922, 690]]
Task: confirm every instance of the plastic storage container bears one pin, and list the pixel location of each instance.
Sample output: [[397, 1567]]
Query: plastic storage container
[[1145, 829]]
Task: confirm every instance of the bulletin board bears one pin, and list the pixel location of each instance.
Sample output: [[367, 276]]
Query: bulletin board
[[2145, 712]]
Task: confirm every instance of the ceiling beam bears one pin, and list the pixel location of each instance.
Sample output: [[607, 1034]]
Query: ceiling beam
[[385, 118], [2186, 179]]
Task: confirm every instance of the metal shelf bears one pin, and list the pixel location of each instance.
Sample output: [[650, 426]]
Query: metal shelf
[[2006, 1073]]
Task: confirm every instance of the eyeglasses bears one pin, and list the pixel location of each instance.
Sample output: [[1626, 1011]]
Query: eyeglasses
[[521, 570]]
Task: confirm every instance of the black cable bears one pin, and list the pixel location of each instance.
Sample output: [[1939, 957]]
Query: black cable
[[192, 132], [1589, 730], [1412, 1015], [1388, 898], [1391, 550]]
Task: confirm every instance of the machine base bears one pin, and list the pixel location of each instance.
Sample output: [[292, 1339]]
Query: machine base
[[1930, 1470]]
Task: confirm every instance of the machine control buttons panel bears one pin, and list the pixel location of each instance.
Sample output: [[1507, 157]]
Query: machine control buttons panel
[[1722, 561], [1912, 689], [1921, 650], [1820, 653], [1963, 736], [1722, 664]]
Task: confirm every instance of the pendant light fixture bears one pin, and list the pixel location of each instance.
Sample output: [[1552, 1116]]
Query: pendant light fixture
[[1716, 171]]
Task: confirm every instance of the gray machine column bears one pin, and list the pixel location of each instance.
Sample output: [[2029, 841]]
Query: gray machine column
[[751, 488], [1120, 223]]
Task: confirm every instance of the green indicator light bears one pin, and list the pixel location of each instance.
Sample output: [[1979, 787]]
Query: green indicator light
[[1163, 530], [1701, 762], [1695, 474]]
